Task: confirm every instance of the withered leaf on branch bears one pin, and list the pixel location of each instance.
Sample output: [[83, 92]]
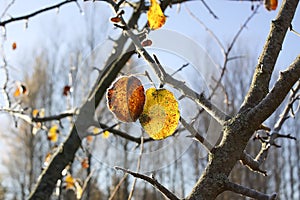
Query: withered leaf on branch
[[126, 98], [161, 113]]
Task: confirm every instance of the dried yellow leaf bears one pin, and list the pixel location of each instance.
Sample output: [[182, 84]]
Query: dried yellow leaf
[[38, 113], [161, 115], [21, 89], [35, 113], [156, 17], [105, 134], [52, 133], [96, 130], [70, 182]]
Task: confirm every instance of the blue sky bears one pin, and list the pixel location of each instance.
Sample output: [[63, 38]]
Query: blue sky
[[68, 21]]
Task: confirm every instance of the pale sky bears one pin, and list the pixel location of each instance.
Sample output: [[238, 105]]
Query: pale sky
[[68, 22]]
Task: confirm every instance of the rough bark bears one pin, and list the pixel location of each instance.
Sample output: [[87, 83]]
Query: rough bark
[[273, 45], [259, 104]]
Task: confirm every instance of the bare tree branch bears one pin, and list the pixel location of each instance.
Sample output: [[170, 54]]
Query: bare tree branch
[[86, 181], [225, 52], [252, 164], [277, 94], [269, 139], [54, 117], [126, 136], [249, 192], [264, 69], [6, 9], [152, 181], [196, 135], [28, 16], [228, 50], [20, 114], [236, 129], [285, 114], [117, 187], [267, 142], [137, 168], [209, 9], [239, 129], [211, 33], [166, 78]]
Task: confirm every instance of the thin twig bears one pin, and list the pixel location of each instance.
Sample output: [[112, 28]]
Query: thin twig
[[137, 168], [124, 135], [6, 75], [228, 50], [242, 28], [152, 181], [26, 17], [212, 34], [195, 134], [180, 69], [87, 180], [31, 120], [285, 113], [6, 9], [293, 31], [54, 117], [209, 9], [117, 187]]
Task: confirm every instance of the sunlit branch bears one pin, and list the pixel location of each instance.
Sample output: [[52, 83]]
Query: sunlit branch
[[152, 181], [239, 189], [181, 86], [164, 4], [285, 114], [20, 114], [264, 69], [251, 163], [293, 31], [28, 16], [277, 94], [196, 135], [268, 139], [267, 142]]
